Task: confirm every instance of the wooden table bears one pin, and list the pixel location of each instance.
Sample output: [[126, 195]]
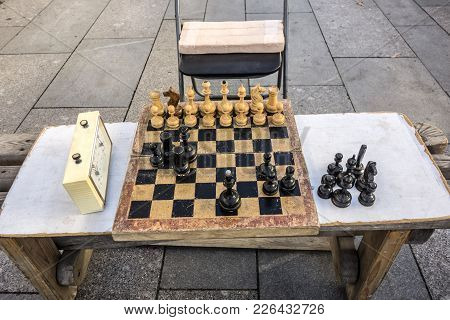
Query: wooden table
[[38, 219]]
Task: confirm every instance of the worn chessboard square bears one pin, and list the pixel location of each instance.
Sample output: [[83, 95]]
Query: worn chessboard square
[[283, 158], [219, 189], [242, 134], [225, 146], [222, 213], [142, 192], [270, 206], [165, 176], [281, 145], [204, 208], [262, 145], [184, 191], [220, 173], [189, 178], [161, 209], [225, 160], [224, 134], [204, 147], [247, 189], [278, 132], [146, 177], [152, 136], [206, 175], [206, 161], [139, 209], [205, 190], [245, 174], [164, 192], [183, 208], [245, 160], [243, 146], [249, 207], [206, 135], [260, 133]]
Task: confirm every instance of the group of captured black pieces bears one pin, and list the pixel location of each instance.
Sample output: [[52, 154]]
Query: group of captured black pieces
[[356, 174], [179, 157]]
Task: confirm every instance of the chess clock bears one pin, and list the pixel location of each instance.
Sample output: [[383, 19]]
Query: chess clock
[[86, 174]]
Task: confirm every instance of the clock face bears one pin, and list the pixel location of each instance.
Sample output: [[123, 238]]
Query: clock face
[[100, 160]]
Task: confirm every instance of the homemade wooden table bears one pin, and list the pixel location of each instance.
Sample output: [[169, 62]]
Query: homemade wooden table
[[38, 219]]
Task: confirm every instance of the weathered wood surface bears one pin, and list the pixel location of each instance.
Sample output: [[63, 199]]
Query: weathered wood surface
[[37, 258], [15, 147], [376, 252], [72, 267], [443, 163], [433, 137], [106, 242], [7, 176], [345, 259]]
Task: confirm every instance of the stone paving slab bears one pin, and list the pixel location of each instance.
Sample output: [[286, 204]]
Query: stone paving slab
[[319, 99], [160, 71], [353, 30], [58, 28], [11, 18], [297, 275], [189, 10], [20, 296], [432, 3], [434, 261], [128, 273], [7, 33], [129, 19], [230, 10], [102, 73], [404, 12], [207, 295], [209, 268], [26, 8], [38, 119], [432, 46], [23, 80], [441, 15], [276, 6], [11, 278], [399, 85], [403, 281]]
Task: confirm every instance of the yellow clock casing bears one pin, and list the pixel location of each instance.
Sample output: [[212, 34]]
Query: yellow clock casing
[[86, 174]]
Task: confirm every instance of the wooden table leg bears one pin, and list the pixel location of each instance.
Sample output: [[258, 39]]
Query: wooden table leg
[[37, 258], [376, 252]]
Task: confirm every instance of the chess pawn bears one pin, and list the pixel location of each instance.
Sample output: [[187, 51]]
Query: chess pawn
[[336, 168], [189, 120], [288, 181], [278, 118], [326, 188], [224, 104], [366, 197], [259, 119], [156, 121], [229, 199], [156, 158], [172, 121], [351, 165], [273, 104], [207, 103], [270, 186], [241, 119], [256, 95], [208, 119], [190, 151], [241, 104], [191, 96], [180, 162], [265, 167], [341, 198], [155, 97]]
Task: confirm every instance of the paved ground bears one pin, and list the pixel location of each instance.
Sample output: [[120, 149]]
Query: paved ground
[[62, 57]]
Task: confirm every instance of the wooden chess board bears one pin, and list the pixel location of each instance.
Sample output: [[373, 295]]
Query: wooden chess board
[[156, 204]]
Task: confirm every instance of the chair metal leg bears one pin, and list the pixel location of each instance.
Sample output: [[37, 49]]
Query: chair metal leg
[[181, 85], [285, 88], [280, 73]]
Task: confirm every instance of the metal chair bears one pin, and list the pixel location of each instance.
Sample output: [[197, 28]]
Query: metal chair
[[232, 65]]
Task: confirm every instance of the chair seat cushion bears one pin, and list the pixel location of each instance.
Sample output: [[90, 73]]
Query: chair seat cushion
[[264, 36], [230, 65]]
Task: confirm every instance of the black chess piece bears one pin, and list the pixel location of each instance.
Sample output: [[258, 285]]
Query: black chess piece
[[180, 162], [325, 190], [351, 165], [167, 146], [288, 181], [229, 199], [156, 158], [341, 197], [368, 176], [336, 168], [366, 197], [270, 186], [266, 167], [189, 150], [359, 169]]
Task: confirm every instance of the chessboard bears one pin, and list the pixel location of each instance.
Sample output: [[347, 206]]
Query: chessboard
[[156, 204]]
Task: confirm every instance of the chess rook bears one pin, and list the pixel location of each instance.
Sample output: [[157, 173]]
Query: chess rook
[[167, 146], [180, 162]]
